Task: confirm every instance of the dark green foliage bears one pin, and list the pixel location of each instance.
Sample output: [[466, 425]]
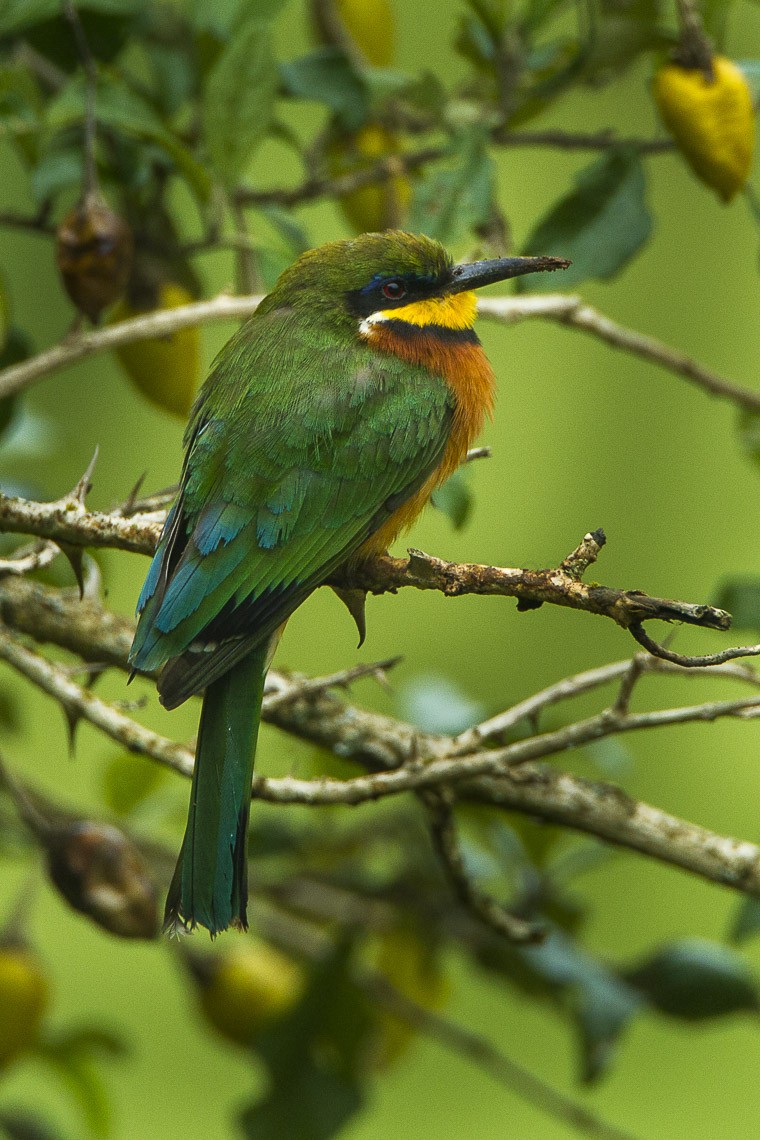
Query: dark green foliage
[[600, 225], [316, 1058], [695, 979]]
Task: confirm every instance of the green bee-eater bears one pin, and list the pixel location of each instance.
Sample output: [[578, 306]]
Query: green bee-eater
[[325, 425]]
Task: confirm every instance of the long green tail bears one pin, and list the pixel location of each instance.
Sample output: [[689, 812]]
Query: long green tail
[[210, 883]]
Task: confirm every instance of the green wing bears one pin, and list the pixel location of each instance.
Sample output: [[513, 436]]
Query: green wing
[[299, 449]]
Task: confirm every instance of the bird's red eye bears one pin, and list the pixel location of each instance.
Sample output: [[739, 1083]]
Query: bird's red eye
[[394, 290]]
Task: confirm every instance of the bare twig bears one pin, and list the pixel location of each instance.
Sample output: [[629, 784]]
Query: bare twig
[[66, 520], [54, 681], [566, 310], [33, 556], [486, 909], [683, 659], [491, 776], [572, 311], [306, 688], [157, 324]]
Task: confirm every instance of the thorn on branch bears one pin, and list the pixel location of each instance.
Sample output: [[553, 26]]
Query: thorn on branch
[[83, 486], [314, 686]]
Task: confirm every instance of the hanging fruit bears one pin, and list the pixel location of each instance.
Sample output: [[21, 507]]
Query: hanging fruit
[[166, 369], [712, 120], [94, 249], [244, 989], [370, 25], [24, 999]]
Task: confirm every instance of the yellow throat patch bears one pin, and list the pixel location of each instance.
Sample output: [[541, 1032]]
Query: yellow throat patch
[[456, 311]]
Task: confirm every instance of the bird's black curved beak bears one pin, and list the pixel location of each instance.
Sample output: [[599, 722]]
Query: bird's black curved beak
[[479, 273]]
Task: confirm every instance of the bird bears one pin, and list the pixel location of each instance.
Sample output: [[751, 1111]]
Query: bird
[[323, 428]]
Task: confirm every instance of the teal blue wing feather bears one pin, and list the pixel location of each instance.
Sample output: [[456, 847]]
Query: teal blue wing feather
[[288, 472]]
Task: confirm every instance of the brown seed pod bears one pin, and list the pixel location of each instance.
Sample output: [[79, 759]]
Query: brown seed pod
[[101, 873], [94, 249]]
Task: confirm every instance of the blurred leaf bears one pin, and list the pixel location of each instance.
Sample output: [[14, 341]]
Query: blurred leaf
[[695, 979], [74, 1056], [327, 76], [128, 780], [436, 704], [448, 203], [623, 31], [17, 348], [602, 1012], [315, 1058], [600, 226], [121, 109], [18, 1124], [16, 15], [20, 110], [746, 922], [741, 597], [289, 229], [223, 16], [603, 1004], [10, 720], [455, 499], [239, 98], [59, 168], [312, 1104]]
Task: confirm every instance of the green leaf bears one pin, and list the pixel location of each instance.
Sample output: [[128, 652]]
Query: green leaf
[[694, 979], [313, 1104], [603, 1004], [623, 32], [746, 923], [455, 499], [600, 225], [59, 168], [741, 597], [327, 76], [223, 16], [121, 109], [291, 231], [239, 99], [450, 202]]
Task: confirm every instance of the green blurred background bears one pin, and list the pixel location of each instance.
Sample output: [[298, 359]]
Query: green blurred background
[[583, 437]]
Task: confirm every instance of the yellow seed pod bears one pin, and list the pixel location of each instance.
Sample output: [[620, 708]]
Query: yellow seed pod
[[370, 24], [24, 997], [166, 369], [370, 208], [712, 122], [250, 986]]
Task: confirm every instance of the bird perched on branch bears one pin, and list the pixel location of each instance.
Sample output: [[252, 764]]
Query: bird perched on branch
[[324, 427]]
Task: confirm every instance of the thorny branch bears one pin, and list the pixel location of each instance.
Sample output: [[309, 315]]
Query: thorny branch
[[68, 521], [398, 757]]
